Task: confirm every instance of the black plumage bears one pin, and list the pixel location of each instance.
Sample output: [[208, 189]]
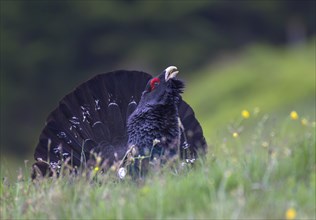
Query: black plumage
[[156, 116], [113, 112]]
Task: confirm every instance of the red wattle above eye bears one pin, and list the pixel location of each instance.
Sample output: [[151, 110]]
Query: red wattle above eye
[[153, 82]]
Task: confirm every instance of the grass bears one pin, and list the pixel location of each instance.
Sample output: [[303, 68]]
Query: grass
[[257, 167], [259, 174]]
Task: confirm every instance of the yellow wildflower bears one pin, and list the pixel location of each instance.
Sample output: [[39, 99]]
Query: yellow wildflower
[[290, 214], [235, 135], [294, 115], [96, 169], [304, 122], [245, 114]]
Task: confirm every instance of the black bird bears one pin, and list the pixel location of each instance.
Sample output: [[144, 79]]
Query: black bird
[[114, 113]]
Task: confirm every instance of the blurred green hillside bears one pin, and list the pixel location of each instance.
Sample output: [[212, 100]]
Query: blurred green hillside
[[262, 78]]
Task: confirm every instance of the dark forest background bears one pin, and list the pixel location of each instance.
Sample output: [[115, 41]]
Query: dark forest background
[[49, 47]]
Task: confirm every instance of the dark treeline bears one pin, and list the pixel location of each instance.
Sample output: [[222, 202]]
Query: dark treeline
[[47, 47]]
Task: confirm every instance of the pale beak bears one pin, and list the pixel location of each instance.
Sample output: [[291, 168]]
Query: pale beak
[[170, 72]]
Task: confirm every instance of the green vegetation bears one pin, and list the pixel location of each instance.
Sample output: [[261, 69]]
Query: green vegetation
[[273, 80], [261, 175], [261, 166]]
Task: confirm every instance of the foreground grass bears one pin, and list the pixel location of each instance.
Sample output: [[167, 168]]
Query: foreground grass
[[264, 170]]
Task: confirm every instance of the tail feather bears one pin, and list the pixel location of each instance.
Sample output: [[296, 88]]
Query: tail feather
[[100, 132], [193, 131], [118, 125]]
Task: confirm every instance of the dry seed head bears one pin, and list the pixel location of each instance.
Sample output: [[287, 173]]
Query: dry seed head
[[304, 122]]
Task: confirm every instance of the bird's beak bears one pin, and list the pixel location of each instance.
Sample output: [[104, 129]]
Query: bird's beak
[[170, 72]]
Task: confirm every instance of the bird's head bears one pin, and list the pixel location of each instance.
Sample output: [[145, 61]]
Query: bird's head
[[163, 89]]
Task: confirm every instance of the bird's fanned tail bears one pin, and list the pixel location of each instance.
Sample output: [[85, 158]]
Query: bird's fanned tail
[[93, 118]]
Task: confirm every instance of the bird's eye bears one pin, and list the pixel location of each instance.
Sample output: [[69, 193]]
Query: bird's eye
[[154, 83]]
